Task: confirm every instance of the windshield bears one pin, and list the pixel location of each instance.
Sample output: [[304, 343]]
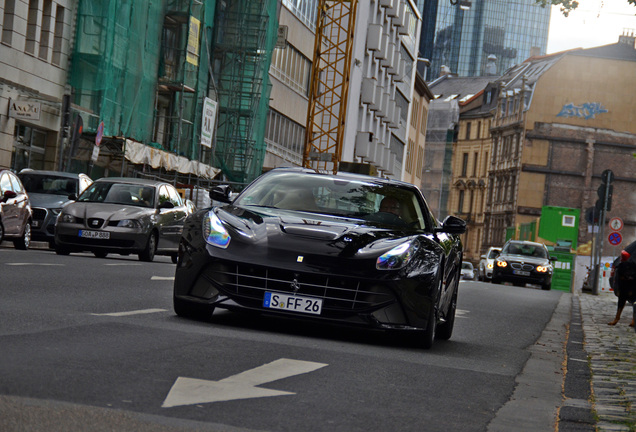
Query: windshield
[[494, 253], [374, 202], [119, 193], [525, 249], [467, 266], [48, 184]]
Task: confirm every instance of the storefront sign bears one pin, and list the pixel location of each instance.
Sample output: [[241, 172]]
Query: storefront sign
[[24, 110]]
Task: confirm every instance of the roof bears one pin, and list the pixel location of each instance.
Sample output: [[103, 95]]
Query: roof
[[615, 51], [132, 180], [448, 87], [50, 173]]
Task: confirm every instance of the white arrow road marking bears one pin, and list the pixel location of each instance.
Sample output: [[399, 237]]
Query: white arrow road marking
[[34, 264], [162, 278], [135, 312], [190, 391]]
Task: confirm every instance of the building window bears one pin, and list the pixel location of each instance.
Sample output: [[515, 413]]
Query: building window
[[478, 130], [292, 68], [58, 36], [467, 130], [28, 148], [485, 163], [32, 25], [460, 203], [415, 112], [7, 21], [305, 10], [45, 31], [475, 160], [464, 164], [420, 160], [409, 156], [284, 137]]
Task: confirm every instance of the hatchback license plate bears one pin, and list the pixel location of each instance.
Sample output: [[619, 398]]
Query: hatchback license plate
[[94, 234], [521, 273], [292, 303]]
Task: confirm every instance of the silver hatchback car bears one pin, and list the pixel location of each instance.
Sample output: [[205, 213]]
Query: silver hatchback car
[[124, 216]]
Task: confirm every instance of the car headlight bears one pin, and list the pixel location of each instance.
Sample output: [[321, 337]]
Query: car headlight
[[490, 266], [214, 232], [543, 269], [397, 257], [67, 218], [502, 263], [129, 223]]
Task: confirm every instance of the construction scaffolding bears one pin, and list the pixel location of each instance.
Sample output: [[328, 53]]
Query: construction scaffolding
[[139, 68], [244, 38]]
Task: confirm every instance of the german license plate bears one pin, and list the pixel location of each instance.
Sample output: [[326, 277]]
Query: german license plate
[[521, 273], [94, 234], [294, 303]]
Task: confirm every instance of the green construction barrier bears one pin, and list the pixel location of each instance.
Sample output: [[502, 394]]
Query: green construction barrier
[[563, 270]]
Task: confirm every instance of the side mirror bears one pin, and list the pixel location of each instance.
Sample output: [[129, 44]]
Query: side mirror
[[453, 225], [8, 195], [166, 205], [553, 259], [221, 193], [483, 257]]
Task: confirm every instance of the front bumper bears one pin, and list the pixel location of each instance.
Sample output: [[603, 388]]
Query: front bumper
[[535, 277], [121, 240], [239, 279]]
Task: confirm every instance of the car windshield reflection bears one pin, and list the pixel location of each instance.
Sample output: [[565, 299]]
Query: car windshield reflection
[[119, 193], [375, 203]]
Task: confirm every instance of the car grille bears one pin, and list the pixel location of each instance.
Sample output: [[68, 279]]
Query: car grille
[[95, 223], [519, 266], [247, 284], [39, 213]]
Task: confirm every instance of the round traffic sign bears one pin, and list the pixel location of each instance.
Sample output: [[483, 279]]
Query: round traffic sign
[[616, 223], [615, 238]]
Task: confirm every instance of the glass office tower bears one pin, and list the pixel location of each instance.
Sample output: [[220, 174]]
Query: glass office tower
[[483, 37]]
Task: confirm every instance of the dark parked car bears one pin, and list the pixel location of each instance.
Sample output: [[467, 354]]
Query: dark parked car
[[124, 216], [522, 262], [15, 211], [48, 192], [301, 244]]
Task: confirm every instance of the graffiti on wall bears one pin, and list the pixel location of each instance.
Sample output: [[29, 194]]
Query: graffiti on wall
[[585, 111]]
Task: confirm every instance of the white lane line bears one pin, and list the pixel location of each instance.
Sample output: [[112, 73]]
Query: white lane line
[[128, 313], [34, 264], [122, 264], [460, 313], [162, 278]]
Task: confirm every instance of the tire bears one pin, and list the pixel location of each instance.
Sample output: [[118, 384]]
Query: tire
[[1, 232], [51, 244], [546, 287], [148, 254], [100, 254], [431, 327], [193, 311], [444, 331], [23, 242], [174, 258]]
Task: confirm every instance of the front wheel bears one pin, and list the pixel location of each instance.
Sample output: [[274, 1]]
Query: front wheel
[[546, 287], [100, 254], [23, 242], [445, 330], [148, 254], [193, 311]]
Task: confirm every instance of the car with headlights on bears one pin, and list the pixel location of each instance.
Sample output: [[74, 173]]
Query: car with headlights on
[[486, 264], [522, 262], [123, 216], [48, 192], [15, 211], [336, 248]]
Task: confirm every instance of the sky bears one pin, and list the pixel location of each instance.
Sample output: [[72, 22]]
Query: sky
[[593, 23]]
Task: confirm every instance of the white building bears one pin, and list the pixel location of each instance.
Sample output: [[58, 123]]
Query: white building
[[34, 50]]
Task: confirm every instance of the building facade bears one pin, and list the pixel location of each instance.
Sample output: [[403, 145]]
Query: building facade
[[560, 121], [34, 53]]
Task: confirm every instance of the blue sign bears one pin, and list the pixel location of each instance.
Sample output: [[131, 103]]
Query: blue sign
[[615, 238]]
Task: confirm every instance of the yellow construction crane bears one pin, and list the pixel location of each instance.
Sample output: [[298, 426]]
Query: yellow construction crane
[[329, 88]]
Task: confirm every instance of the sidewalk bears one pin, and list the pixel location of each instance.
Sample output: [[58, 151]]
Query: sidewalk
[[611, 351]]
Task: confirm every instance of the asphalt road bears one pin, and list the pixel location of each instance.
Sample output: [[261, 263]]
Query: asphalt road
[[93, 344]]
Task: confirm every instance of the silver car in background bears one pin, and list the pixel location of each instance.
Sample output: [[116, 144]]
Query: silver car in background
[[123, 216], [484, 271]]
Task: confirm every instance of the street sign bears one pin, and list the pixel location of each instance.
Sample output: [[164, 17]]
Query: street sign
[[615, 238], [616, 223], [100, 134]]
